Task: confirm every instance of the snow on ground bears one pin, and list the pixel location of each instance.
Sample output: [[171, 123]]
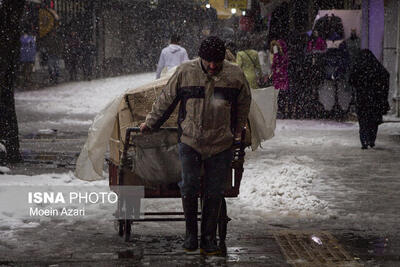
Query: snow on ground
[[271, 185], [87, 97]]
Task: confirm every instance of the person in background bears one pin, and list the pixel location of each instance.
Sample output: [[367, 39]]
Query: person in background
[[353, 44], [214, 99], [247, 59], [53, 46], [371, 83], [280, 79], [314, 55], [171, 56], [72, 54], [263, 55], [27, 56], [88, 54], [231, 50], [316, 43], [297, 73]]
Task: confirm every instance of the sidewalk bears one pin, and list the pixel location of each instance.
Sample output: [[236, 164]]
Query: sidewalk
[[309, 196], [349, 238]]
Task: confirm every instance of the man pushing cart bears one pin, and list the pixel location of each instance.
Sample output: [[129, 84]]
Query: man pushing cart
[[214, 99]]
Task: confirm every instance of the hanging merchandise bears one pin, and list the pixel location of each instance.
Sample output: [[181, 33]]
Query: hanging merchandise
[[338, 23]]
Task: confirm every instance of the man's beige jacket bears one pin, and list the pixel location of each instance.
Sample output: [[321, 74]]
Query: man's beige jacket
[[211, 108]]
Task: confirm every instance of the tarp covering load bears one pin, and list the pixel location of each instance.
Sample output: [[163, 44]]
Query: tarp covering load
[[130, 109]]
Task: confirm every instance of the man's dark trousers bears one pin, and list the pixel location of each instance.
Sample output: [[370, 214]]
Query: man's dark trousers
[[216, 169]]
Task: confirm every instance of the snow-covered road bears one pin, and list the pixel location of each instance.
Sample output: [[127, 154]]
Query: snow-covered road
[[303, 174]]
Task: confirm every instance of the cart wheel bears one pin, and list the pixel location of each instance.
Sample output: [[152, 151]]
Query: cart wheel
[[121, 227], [127, 229]]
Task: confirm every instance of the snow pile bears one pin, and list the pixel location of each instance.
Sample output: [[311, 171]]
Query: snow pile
[[282, 184], [16, 216], [4, 170], [391, 128], [284, 125]]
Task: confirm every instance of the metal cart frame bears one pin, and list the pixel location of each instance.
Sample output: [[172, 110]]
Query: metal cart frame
[[116, 177]]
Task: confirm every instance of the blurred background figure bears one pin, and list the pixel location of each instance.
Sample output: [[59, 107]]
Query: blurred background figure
[[280, 78], [171, 56], [231, 50], [27, 57], [371, 83], [53, 49], [72, 54], [263, 54], [248, 61], [88, 53]]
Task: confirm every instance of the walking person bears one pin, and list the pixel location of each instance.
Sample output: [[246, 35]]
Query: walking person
[[371, 83], [88, 55], [214, 101], [171, 56], [72, 54], [53, 48], [280, 78], [247, 59], [27, 57]]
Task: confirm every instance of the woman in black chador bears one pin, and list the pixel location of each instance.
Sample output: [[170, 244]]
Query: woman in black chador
[[371, 83]]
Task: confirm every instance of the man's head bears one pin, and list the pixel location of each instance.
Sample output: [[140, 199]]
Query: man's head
[[175, 39], [212, 53]]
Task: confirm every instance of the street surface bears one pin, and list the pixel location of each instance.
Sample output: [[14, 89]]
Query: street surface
[[360, 186]]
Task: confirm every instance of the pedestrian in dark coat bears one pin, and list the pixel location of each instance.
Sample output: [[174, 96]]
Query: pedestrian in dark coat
[[72, 54], [371, 83], [27, 56]]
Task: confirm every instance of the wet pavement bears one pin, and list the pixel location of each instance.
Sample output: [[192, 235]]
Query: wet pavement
[[374, 175], [252, 244]]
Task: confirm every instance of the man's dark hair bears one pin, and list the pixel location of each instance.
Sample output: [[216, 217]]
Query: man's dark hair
[[212, 49], [175, 38]]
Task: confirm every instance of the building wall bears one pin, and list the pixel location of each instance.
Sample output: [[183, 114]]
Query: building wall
[[112, 33], [397, 105], [390, 58]]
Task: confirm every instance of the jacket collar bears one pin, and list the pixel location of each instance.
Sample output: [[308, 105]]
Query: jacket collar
[[213, 77]]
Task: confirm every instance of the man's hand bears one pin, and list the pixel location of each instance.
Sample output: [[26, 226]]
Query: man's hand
[[144, 128]]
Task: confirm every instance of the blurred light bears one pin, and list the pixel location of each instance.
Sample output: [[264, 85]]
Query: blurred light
[[243, 13], [208, 5], [316, 239], [184, 21], [233, 10]]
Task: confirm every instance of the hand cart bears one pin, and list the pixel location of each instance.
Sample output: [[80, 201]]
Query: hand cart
[[118, 173]]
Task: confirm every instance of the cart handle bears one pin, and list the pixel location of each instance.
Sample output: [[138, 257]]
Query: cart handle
[[237, 147]]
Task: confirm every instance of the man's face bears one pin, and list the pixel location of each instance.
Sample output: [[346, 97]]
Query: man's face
[[212, 67]]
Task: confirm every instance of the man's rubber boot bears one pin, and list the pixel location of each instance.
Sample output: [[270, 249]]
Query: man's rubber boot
[[209, 220], [190, 205], [222, 228]]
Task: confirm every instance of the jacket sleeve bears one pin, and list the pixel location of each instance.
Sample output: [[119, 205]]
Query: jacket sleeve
[[160, 65], [243, 105], [164, 104]]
